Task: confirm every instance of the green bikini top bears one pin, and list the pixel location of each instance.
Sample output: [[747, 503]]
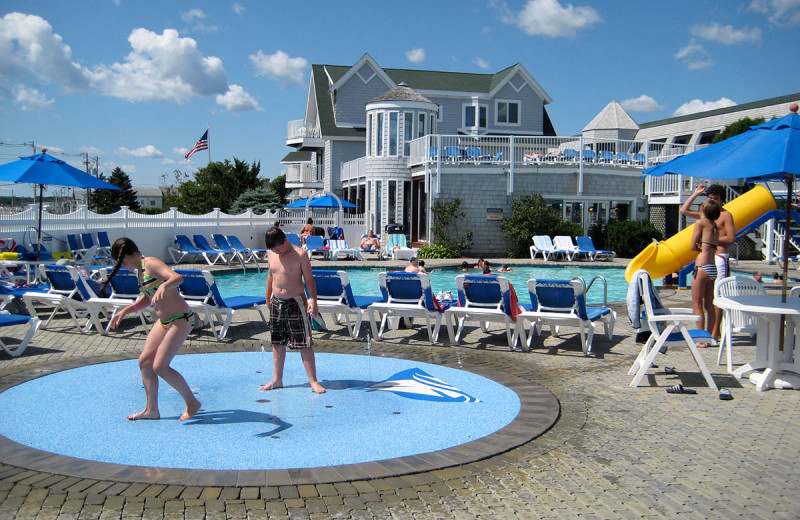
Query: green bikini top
[[149, 285]]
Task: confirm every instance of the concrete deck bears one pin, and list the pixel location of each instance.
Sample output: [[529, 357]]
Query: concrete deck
[[615, 451]]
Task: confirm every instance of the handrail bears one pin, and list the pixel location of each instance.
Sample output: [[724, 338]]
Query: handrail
[[591, 282]]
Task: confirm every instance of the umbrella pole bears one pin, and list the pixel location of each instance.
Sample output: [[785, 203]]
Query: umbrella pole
[[39, 232], [789, 198]]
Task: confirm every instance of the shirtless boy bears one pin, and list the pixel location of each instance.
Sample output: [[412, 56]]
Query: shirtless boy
[[727, 231], [289, 267]]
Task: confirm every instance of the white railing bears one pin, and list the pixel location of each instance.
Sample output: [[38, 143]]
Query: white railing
[[353, 170], [298, 129], [155, 233], [666, 185], [303, 172], [526, 150]]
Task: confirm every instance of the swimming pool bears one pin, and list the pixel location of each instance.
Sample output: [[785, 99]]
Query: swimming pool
[[365, 280]]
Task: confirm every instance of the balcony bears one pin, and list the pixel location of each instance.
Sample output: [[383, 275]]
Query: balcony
[[304, 136], [303, 175]]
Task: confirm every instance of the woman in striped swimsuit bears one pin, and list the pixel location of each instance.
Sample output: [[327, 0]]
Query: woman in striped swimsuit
[[705, 240], [159, 286]]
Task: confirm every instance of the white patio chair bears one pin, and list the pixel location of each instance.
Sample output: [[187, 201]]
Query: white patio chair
[[734, 321]]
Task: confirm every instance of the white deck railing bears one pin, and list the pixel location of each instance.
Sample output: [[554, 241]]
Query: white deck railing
[[303, 172], [298, 129]]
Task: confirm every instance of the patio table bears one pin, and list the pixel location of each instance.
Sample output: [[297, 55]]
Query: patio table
[[780, 368]]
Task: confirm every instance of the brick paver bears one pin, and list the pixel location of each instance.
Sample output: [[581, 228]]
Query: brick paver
[[615, 452]]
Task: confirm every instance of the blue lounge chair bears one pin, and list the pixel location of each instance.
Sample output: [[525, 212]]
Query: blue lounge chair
[[9, 320], [623, 158], [294, 239], [561, 303], [234, 241], [639, 159], [88, 243], [103, 244], [223, 245], [186, 248], [124, 291], [452, 153], [335, 296], [606, 157], [62, 290], [483, 299], [406, 295], [203, 296], [218, 254], [570, 155], [75, 247], [667, 328], [587, 244], [474, 154], [370, 250], [589, 156], [316, 244]]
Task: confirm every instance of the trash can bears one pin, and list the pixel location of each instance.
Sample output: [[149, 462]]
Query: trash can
[[398, 229]]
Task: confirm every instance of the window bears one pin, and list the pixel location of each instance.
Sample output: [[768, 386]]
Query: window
[[507, 113], [408, 132], [421, 124], [475, 116], [379, 141], [393, 129], [369, 135]]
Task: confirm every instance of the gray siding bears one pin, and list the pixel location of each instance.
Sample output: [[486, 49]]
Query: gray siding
[[352, 98], [337, 152]]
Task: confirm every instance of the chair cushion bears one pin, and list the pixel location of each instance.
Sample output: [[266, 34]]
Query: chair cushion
[[365, 301], [13, 319], [696, 334], [596, 312]]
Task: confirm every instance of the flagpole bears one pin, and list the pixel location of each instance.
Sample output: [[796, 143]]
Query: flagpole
[[208, 137]]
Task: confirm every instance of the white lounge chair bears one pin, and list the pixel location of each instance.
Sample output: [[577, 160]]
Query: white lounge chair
[[9, 320], [397, 247]]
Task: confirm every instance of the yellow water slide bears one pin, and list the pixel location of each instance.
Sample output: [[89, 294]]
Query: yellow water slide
[[667, 257]]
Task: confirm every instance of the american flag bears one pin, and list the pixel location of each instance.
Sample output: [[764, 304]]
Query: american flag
[[202, 144]]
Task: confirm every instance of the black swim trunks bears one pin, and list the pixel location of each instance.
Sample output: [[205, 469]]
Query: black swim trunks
[[289, 323]]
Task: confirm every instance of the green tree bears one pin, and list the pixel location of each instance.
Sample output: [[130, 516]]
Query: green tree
[[109, 201], [530, 215], [100, 200], [737, 128], [259, 200], [217, 185], [629, 237], [278, 186]]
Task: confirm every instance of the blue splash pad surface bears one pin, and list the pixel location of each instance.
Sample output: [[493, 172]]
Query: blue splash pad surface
[[81, 412]]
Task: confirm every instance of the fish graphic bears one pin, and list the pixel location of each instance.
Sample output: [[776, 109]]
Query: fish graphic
[[417, 384]]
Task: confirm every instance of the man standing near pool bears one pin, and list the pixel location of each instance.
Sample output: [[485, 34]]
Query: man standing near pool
[[289, 269]]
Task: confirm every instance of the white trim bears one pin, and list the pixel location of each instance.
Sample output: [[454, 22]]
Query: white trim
[[369, 60], [519, 69], [477, 126], [507, 102]]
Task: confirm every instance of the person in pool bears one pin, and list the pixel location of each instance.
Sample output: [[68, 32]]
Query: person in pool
[[159, 286]]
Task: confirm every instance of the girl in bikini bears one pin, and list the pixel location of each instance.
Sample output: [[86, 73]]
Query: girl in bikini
[[158, 284], [705, 240]]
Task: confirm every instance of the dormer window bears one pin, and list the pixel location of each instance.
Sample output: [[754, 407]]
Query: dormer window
[[475, 116], [507, 112]]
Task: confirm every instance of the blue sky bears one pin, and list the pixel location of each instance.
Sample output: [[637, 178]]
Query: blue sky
[[135, 83]]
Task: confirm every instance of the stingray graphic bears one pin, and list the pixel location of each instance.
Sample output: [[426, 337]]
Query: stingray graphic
[[416, 384]]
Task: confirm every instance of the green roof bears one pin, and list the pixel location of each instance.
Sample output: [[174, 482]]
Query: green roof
[[291, 157]]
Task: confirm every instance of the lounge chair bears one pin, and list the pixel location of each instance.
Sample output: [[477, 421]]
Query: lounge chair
[[589, 156], [406, 295], [623, 158], [9, 320], [98, 307], [606, 157], [543, 244], [75, 247], [570, 155], [222, 244], [316, 244], [639, 159], [586, 244], [335, 296], [99, 256], [483, 299], [397, 247], [103, 244], [234, 241], [565, 243], [340, 247], [452, 154], [562, 303], [293, 239], [202, 294], [186, 248], [62, 291], [667, 328], [474, 154], [218, 254], [377, 251]]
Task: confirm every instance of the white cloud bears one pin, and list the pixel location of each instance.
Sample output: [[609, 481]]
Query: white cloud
[[695, 105], [416, 55], [91, 150], [280, 66], [31, 100], [642, 103], [180, 151], [237, 100], [550, 18], [726, 34], [695, 56], [192, 15], [161, 67], [480, 62], [783, 13], [29, 47], [144, 151], [238, 8]]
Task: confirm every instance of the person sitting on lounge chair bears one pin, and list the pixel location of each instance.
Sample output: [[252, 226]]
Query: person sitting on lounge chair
[[307, 230], [370, 241]]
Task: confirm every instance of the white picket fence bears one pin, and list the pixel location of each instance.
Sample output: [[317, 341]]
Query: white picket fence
[[155, 233]]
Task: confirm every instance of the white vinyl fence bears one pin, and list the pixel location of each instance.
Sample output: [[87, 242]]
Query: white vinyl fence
[[155, 233]]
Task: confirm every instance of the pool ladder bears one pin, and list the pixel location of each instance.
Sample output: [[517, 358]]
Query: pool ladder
[[591, 282]]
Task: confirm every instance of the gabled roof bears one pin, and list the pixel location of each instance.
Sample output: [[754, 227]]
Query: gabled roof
[[613, 116], [294, 157]]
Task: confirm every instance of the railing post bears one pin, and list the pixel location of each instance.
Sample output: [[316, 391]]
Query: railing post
[[580, 167], [511, 166]]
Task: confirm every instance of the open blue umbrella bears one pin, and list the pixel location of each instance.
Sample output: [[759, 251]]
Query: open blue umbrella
[[45, 169], [324, 201]]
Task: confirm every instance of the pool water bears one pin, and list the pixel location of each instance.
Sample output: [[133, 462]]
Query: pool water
[[364, 281]]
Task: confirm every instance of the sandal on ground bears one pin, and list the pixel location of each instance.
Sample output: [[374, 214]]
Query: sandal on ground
[[679, 389], [725, 394]]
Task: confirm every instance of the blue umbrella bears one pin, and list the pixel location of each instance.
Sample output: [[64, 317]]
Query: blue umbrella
[[44, 169], [768, 150], [324, 201]]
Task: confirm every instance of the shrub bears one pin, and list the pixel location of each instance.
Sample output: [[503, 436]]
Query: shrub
[[446, 236], [530, 215], [629, 237], [437, 251]]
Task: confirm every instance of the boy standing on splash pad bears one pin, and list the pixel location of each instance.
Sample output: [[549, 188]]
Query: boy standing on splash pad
[[289, 267]]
